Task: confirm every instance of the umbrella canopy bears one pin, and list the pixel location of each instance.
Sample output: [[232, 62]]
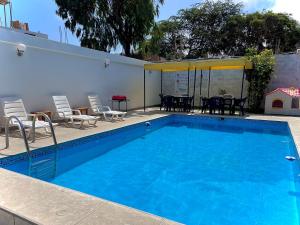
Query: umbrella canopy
[[209, 64]]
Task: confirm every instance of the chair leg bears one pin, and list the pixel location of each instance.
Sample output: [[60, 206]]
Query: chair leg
[[81, 124], [242, 111], [121, 117], [104, 116], [95, 122]]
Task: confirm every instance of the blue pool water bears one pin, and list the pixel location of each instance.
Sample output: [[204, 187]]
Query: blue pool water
[[193, 170]]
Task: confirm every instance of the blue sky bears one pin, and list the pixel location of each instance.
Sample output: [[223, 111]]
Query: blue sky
[[40, 14]]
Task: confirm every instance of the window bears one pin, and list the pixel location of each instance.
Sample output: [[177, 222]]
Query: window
[[277, 103], [295, 103]]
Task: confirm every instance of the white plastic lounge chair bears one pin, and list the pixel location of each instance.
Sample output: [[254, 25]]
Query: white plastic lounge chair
[[64, 111], [105, 111], [13, 106]]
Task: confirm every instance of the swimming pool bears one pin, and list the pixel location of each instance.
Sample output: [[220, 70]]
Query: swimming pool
[[194, 170]]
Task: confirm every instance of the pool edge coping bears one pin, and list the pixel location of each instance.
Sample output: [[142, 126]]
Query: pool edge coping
[[84, 202]]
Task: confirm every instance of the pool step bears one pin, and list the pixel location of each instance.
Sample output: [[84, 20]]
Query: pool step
[[44, 169]]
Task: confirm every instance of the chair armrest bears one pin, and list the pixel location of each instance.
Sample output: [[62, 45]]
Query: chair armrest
[[107, 108], [98, 110], [6, 118], [76, 111], [34, 116], [60, 114], [9, 120]]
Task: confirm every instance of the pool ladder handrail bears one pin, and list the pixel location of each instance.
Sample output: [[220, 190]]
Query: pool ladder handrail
[[22, 129], [23, 133]]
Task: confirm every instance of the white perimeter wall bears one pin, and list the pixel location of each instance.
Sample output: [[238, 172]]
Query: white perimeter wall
[[228, 80], [286, 74], [50, 68]]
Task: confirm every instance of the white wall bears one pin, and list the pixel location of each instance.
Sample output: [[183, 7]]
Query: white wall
[[287, 72], [228, 80], [50, 68]]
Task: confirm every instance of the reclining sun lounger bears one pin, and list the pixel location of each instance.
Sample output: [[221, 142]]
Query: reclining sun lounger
[[14, 107], [64, 111], [105, 111]]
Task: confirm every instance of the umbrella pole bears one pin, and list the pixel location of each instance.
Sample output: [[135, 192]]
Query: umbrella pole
[[242, 89], [188, 88], [208, 90], [144, 90], [194, 88]]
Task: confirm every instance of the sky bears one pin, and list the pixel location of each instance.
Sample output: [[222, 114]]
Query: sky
[[41, 16]]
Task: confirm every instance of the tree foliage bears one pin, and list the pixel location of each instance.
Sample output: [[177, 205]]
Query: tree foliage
[[204, 23], [220, 27], [259, 77], [102, 24], [260, 30]]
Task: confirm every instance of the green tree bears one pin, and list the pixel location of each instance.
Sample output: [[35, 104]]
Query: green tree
[[260, 30], [282, 32], [102, 24], [203, 24], [259, 77], [166, 40], [219, 27], [151, 46], [173, 42], [242, 32]]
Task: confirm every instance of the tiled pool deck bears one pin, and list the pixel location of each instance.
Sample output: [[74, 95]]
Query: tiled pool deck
[[24, 200], [64, 133]]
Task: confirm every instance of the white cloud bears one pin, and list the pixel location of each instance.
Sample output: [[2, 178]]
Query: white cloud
[[256, 5], [284, 6], [288, 6]]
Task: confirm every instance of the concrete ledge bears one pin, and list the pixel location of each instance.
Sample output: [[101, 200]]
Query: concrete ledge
[[7, 218], [27, 201]]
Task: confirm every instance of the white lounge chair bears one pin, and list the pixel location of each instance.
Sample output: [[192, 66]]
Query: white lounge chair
[[64, 111], [14, 107], [98, 109]]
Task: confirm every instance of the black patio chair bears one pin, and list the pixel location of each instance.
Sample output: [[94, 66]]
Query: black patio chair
[[239, 103], [204, 104], [216, 104], [179, 103], [228, 104], [169, 102], [188, 103]]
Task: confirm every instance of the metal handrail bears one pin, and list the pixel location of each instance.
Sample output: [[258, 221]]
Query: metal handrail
[[47, 119], [22, 130], [23, 133]]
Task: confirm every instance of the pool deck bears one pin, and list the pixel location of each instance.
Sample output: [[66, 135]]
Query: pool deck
[[66, 133], [24, 200]]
